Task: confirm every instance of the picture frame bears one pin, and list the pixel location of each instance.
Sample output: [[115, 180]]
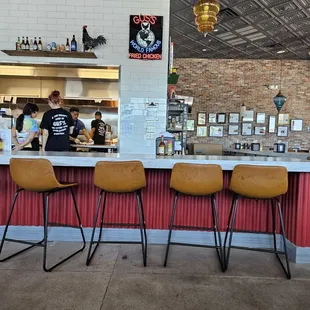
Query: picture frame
[[233, 130], [201, 131], [248, 116], [216, 131], [296, 124], [234, 118], [272, 124], [260, 118], [212, 118], [221, 118], [246, 129], [201, 118], [190, 125], [260, 130], [283, 119], [282, 131]]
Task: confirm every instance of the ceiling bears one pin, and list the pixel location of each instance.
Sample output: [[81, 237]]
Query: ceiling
[[256, 29]]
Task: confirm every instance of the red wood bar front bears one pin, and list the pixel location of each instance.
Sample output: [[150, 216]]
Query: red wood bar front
[[158, 199]]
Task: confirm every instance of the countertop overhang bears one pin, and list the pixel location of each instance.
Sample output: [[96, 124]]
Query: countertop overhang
[[72, 159]]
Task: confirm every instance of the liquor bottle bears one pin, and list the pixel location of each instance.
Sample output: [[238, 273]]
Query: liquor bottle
[[27, 44], [23, 46], [31, 45], [40, 46], [35, 44], [169, 148], [73, 44], [18, 44], [67, 45], [161, 147]]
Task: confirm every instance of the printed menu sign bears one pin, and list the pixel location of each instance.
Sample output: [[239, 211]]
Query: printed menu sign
[[145, 37]]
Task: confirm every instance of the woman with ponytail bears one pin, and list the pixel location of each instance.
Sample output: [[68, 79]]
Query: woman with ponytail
[[26, 130], [56, 124]]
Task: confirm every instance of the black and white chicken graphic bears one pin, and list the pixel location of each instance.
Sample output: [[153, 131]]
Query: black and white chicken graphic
[[145, 37], [90, 43]]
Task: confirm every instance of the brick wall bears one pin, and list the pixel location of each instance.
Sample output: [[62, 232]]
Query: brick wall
[[223, 85], [59, 19]]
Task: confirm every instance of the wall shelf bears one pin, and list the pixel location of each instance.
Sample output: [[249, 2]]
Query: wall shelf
[[49, 54]]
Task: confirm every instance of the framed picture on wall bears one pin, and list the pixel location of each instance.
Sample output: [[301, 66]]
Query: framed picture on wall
[[212, 118], [201, 118], [272, 124], [282, 131], [260, 131], [246, 129], [234, 118], [201, 131], [190, 125], [217, 131], [233, 130], [248, 116], [260, 117], [283, 119], [296, 124], [221, 118]]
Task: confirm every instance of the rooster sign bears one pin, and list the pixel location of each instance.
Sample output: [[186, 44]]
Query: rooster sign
[[90, 43]]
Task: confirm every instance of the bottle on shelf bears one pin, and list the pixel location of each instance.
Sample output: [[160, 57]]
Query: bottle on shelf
[[35, 44], [40, 46], [23, 45], [73, 44], [27, 44], [67, 45], [18, 44], [161, 147], [169, 148], [31, 45]]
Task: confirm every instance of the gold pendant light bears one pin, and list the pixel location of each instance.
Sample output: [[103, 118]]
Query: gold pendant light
[[206, 12]]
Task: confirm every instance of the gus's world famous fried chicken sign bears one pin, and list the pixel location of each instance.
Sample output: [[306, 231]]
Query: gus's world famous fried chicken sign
[[145, 37]]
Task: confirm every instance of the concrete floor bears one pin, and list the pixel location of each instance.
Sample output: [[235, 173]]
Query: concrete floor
[[116, 279]]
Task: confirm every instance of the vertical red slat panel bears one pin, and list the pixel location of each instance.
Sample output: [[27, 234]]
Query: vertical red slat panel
[[158, 201]]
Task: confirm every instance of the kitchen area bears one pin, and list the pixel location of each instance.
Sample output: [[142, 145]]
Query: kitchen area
[[89, 89]]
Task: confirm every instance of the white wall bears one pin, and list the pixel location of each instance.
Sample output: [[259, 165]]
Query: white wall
[[58, 19]]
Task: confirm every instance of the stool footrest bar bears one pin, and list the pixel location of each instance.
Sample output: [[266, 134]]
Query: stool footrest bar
[[193, 227], [121, 224], [257, 249], [116, 242], [52, 224], [24, 242], [197, 245]]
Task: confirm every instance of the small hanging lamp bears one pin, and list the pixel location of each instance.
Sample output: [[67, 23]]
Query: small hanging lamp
[[279, 100]]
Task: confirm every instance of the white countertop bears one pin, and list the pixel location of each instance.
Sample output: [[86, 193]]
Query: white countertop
[[93, 146], [76, 159], [270, 153]]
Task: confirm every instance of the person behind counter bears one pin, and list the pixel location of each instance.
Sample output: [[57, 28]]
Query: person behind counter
[[25, 134], [78, 126], [57, 124]]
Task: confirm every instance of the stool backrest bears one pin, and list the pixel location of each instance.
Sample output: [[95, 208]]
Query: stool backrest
[[120, 176], [196, 179], [35, 175], [261, 182]]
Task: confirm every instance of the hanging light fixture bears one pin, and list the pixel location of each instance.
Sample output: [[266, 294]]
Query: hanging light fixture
[[279, 100], [206, 12]]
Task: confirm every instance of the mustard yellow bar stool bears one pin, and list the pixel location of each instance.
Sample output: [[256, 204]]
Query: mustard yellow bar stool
[[197, 180], [258, 182], [37, 175], [119, 177]]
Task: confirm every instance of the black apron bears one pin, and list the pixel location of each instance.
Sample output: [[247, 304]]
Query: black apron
[[74, 135]]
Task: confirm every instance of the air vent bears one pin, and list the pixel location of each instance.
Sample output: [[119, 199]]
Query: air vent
[[226, 15]]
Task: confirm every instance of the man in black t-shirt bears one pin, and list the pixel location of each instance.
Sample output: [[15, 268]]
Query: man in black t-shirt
[[57, 123], [98, 129]]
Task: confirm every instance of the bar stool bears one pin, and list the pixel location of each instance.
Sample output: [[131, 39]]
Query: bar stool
[[119, 177], [258, 182], [37, 175], [197, 180]]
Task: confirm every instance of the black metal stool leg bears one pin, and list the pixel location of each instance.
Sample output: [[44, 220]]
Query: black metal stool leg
[[14, 240], [171, 227], [46, 222], [287, 271], [217, 232], [233, 213], [273, 213], [90, 253], [142, 227]]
